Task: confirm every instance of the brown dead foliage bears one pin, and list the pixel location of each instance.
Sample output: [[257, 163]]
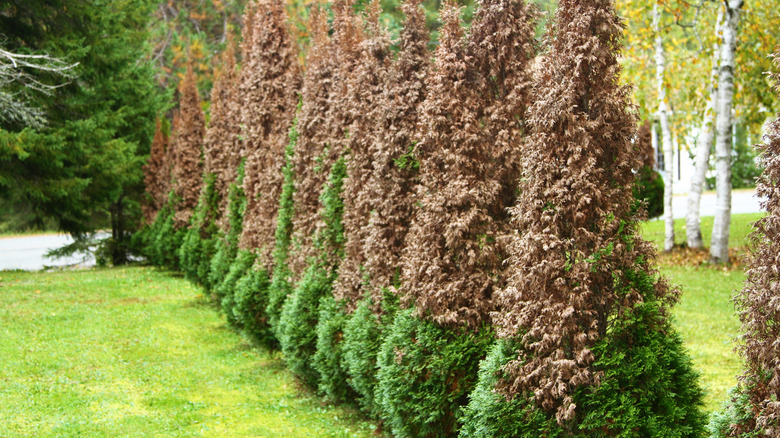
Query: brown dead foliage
[[222, 145], [759, 300], [322, 122], [366, 105], [270, 81], [576, 236], [156, 176], [188, 149], [468, 157], [393, 179]]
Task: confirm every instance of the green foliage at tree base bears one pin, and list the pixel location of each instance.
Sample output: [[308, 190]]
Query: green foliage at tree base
[[226, 248], [648, 386], [737, 411], [160, 242], [425, 375], [251, 299], [329, 356], [298, 322], [199, 244], [363, 335], [226, 290]]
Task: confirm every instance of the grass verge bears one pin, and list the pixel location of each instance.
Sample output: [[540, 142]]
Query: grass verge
[[138, 352]]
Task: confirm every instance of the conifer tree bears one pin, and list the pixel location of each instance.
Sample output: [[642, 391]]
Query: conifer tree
[[365, 103], [222, 145], [587, 348], [233, 202], [187, 158], [390, 189], [473, 124], [758, 302], [394, 177], [314, 155], [269, 86], [306, 167], [199, 245], [302, 310], [155, 177], [364, 86]]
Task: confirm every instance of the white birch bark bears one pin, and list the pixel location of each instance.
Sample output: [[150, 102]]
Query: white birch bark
[[666, 132], [703, 150], [719, 245]]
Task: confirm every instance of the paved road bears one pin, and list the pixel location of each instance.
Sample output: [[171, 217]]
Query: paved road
[[741, 202], [28, 252]]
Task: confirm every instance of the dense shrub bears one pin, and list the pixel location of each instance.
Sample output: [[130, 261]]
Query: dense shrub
[[425, 375], [156, 177], [328, 358], [393, 181], [731, 419], [365, 103], [160, 241], [363, 332], [187, 154], [648, 387], [269, 87], [315, 151], [199, 243], [251, 299], [226, 290], [454, 258]]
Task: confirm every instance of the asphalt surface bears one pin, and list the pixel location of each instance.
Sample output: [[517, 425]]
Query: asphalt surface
[[741, 202], [29, 253]]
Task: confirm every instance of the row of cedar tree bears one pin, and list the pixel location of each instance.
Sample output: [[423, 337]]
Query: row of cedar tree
[[453, 243]]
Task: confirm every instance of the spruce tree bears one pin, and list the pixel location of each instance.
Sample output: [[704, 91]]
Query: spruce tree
[[187, 158], [758, 302], [473, 124], [587, 348]]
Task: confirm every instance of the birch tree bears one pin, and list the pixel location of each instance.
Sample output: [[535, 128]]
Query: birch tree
[[719, 246], [666, 132], [703, 150]]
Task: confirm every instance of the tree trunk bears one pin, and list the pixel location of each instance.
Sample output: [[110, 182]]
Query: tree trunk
[[703, 150], [117, 248], [666, 132], [719, 246]]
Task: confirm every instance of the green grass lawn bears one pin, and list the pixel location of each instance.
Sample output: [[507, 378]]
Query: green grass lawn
[[706, 319], [137, 352], [738, 230], [705, 315]]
